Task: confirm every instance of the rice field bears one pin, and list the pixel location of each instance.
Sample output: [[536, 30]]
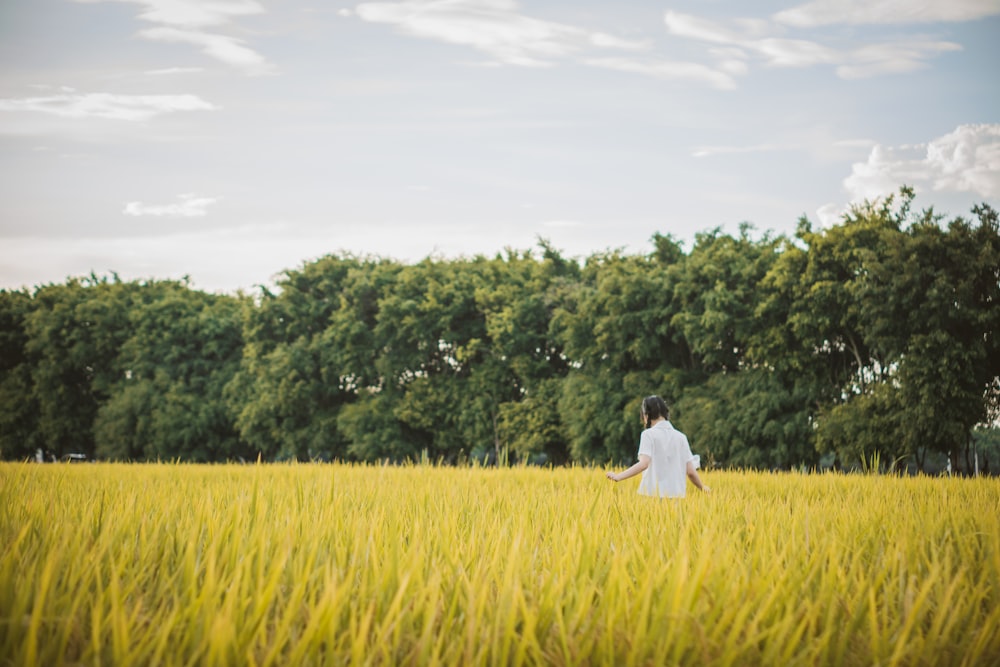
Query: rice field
[[169, 564]]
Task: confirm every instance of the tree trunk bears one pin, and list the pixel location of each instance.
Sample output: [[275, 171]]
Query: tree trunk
[[496, 436]]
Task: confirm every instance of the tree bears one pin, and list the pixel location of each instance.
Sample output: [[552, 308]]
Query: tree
[[749, 419], [184, 347], [716, 292], [290, 387], [19, 412], [615, 327], [886, 323], [932, 305], [876, 336], [432, 338], [75, 332], [519, 304]]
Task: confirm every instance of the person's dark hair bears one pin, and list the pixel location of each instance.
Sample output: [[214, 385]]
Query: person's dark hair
[[654, 407]]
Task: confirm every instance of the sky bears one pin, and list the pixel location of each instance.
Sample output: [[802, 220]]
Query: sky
[[230, 140]]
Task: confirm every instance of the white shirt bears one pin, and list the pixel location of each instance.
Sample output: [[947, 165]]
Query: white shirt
[[669, 453]]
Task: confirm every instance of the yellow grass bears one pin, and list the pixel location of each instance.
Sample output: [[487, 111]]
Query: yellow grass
[[335, 564]]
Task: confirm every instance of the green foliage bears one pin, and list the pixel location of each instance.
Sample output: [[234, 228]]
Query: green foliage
[[891, 317], [716, 292], [184, 348], [616, 327], [871, 340], [749, 420], [75, 332], [294, 379], [375, 432], [19, 436]]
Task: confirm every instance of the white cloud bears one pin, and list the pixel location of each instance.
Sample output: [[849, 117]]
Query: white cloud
[[497, 28], [190, 206], [827, 12], [793, 52], [492, 26], [107, 105], [965, 160], [192, 13], [668, 70], [185, 20], [694, 27], [197, 13], [221, 47], [746, 40], [731, 59], [891, 58], [830, 215]]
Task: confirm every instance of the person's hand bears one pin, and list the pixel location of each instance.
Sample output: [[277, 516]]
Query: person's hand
[[612, 476], [706, 488]]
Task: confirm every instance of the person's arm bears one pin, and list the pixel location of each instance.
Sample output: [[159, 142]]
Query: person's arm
[[692, 474], [631, 472]]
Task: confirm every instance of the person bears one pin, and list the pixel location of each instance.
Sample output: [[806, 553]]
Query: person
[[665, 457]]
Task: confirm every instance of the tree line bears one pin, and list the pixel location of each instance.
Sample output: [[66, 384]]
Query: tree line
[[872, 340]]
